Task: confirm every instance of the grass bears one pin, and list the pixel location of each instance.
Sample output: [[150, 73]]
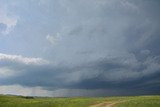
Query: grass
[[141, 101], [19, 101]]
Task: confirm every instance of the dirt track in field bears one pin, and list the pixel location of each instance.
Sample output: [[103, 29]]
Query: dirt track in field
[[106, 104]]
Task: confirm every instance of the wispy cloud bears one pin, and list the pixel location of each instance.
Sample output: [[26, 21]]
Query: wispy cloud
[[53, 39], [7, 20], [21, 59]]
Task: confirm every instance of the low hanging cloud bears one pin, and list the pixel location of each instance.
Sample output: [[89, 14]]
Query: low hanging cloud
[[27, 91], [12, 65], [109, 73]]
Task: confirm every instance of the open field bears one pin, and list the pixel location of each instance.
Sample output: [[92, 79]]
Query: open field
[[145, 101], [136, 101]]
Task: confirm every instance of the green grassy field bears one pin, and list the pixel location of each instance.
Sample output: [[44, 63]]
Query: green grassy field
[[141, 101], [137, 101]]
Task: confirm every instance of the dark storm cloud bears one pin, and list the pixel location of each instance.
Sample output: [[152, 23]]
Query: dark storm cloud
[[100, 45], [111, 73]]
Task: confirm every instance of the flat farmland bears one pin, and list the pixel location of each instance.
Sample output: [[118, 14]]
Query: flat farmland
[[126, 101]]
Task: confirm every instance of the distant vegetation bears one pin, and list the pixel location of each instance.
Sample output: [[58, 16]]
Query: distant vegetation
[[137, 101]]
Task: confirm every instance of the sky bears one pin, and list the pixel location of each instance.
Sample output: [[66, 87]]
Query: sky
[[69, 48]]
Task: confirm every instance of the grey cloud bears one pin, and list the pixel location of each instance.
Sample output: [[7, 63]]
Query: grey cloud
[[109, 73], [104, 45]]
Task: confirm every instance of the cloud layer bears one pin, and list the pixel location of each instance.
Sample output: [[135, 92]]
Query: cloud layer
[[78, 48]]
